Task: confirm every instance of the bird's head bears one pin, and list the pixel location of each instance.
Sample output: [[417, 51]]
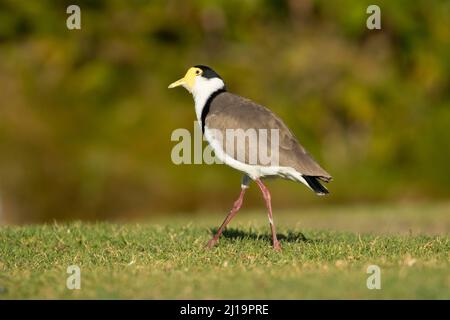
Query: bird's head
[[200, 80]]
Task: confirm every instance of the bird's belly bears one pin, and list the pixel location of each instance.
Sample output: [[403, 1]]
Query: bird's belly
[[254, 171]]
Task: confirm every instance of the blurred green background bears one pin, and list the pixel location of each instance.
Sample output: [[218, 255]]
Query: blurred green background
[[86, 117]]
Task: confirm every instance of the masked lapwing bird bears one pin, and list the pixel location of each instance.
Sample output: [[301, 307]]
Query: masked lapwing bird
[[250, 138]]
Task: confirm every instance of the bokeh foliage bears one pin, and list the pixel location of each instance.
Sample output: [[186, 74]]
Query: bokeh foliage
[[86, 117]]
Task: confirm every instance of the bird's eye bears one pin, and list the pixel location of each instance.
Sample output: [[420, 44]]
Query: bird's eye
[[197, 72]]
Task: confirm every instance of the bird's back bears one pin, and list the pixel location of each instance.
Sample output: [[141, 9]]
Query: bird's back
[[230, 111]]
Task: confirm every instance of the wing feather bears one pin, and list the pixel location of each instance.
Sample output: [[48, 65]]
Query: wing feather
[[229, 111]]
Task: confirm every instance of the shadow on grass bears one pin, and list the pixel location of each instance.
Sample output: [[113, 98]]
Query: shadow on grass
[[235, 234]]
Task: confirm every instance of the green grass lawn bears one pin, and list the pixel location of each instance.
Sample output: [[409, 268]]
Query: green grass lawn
[[325, 255]]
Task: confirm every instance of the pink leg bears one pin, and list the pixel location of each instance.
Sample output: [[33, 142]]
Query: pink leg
[[237, 205], [266, 194]]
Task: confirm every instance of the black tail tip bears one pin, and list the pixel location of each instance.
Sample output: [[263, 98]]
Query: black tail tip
[[316, 186]]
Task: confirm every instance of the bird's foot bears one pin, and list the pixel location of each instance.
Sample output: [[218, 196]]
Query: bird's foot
[[211, 243], [276, 245]]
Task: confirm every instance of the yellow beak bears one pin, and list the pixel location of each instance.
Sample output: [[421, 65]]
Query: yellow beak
[[177, 83], [189, 79]]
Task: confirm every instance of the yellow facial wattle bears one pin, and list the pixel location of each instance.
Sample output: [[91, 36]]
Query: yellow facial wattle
[[188, 81]]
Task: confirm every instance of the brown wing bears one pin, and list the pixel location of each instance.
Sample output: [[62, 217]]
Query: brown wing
[[229, 111]]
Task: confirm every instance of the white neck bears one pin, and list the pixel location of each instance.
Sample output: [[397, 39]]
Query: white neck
[[202, 90]]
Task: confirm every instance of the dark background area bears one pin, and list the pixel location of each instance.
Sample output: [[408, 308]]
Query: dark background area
[[86, 117]]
